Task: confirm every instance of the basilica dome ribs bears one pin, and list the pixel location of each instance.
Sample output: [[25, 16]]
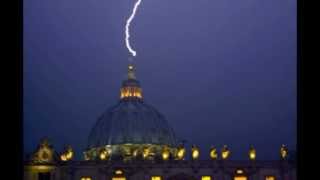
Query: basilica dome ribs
[[131, 129]]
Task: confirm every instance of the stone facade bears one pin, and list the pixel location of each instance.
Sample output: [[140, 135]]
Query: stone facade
[[111, 151], [166, 170]]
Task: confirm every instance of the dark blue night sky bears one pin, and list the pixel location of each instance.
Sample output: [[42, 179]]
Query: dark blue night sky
[[221, 71]]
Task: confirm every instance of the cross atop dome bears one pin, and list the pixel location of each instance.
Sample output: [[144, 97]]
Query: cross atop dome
[[131, 70]]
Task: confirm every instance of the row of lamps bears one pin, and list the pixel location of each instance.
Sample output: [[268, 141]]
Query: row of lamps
[[104, 154]]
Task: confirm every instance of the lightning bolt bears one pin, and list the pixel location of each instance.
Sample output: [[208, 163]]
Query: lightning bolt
[[136, 5]]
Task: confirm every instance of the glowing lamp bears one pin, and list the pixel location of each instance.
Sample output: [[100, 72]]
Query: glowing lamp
[[165, 153], [118, 172], [86, 156], [213, 153], [145, 153], [283, 152], [239, 171], [63, 157], [252, 153], [206, 178], [181, 152], [69, 155], [225, 153], [195, 152], [135, 153], [85, 178], [156, 178], [104, 154]]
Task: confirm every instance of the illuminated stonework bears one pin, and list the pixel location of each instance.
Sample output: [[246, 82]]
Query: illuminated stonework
[[252, 153], [67, 154], [270, 178], [44, 153], [146, 152], [118, 178], [239, 171], [195, 152], [104, 154], [181, 152], [131, 89], [126, 92], [131, 129], [156, 178], [225, 152], [206, 178], [240, 178], [283, 152], [213, 153], [128, 152], [86, 178], [165, 153], [132, 140], [118, 172]]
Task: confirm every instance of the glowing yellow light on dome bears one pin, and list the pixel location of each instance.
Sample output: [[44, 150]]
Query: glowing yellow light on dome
[[205, 177], [126, 93]]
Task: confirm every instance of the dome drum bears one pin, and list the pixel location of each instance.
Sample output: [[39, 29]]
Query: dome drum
[[129, 152]]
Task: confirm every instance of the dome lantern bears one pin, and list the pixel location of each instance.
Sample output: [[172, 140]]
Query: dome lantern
[[131, 87]]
